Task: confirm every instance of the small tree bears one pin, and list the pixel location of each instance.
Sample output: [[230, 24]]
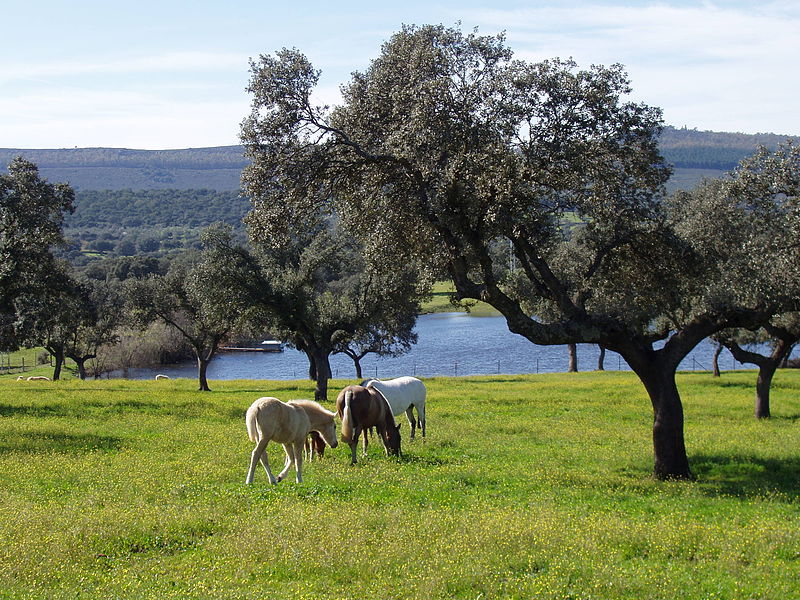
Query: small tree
[[780, 335], [309, 286], [193, 300], [47, 313], [98, 315], [393, 341]]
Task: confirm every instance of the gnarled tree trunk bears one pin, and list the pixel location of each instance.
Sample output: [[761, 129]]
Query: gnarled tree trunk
[[671, 461]]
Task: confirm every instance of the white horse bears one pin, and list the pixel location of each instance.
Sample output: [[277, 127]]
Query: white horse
[[287, 423], [403, 394]]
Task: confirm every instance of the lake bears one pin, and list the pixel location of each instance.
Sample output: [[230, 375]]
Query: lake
[[450, 344]]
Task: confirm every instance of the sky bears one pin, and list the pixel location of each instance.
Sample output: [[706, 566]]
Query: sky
[[172, 74]]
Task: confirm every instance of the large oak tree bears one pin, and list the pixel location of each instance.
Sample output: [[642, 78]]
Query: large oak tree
[[446, 147]]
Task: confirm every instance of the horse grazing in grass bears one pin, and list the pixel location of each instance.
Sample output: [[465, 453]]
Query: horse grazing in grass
[[361, 408], [287, 423], [403, 395], [315, 446]]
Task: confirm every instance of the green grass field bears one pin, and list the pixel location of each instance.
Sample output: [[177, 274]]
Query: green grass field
[[440, 302], [526, 487]]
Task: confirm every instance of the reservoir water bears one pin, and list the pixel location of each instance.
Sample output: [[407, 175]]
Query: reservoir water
[[450, 344]]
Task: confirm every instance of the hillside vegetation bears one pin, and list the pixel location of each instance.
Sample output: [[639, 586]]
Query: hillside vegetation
[[155, 202], [526, 487], [219, 168]]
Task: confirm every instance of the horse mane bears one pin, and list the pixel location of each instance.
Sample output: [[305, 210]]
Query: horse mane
[[310, 405]]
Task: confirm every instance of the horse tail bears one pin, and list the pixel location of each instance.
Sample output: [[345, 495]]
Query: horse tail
[[251, 420], [347, 417]]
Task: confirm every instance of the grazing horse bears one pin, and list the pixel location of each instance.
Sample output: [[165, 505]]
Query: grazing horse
[[361, 408], [315, 446], [287, 423], [403, 394]]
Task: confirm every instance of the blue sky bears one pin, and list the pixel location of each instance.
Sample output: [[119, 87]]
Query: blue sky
[[171, 74]]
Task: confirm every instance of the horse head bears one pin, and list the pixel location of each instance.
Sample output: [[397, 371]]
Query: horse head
[[328, 432], [393, 438]]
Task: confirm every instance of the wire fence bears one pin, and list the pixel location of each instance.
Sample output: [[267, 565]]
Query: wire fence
[[9, 365]]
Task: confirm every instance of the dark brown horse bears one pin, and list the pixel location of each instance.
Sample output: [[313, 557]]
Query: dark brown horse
[[360, 408], [315, 445]]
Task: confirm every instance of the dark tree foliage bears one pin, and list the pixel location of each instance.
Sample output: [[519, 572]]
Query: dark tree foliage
[[31, 216], [446, 146], [73, 319], [101, 209]]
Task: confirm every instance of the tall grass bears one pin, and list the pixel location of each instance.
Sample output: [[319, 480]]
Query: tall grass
[[526, 487]]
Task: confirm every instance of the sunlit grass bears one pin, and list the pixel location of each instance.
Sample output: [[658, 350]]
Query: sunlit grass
[[527, 487], [440, 302]]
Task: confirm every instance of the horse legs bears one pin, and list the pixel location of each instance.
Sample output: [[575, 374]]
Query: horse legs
[[366, 440], [411, 422], [290, 460], [298, 461], [353, 443], [259, 453]]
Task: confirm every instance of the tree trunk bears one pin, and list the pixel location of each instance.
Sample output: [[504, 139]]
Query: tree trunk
[[312, 366], [357, 363], [323, 371], [715, 359], [81, 362], [766, 371], [601, 359], [767, 365], [202, 367], [58, 355], [573, 358], [671, 461]]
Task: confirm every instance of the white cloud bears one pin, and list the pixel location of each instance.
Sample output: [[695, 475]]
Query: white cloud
[[119, 119], [178, 62], [709, 66]]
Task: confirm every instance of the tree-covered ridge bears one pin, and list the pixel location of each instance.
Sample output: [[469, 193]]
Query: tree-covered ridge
[[693, 149], [219, 157], [156, 208], [218, 168]]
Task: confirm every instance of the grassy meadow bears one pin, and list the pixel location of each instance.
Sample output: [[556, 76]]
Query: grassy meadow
[[527, 487]]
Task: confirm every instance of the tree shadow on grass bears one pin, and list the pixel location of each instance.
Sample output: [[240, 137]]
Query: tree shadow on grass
[[44, 410], [46, 442], [747, 476]]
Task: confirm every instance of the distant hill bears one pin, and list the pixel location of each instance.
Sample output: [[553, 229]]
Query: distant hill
[[215, 168], [695, 154]]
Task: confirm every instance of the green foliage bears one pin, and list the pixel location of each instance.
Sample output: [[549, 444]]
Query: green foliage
[[155, 209], [31, 215], [526, 487]]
